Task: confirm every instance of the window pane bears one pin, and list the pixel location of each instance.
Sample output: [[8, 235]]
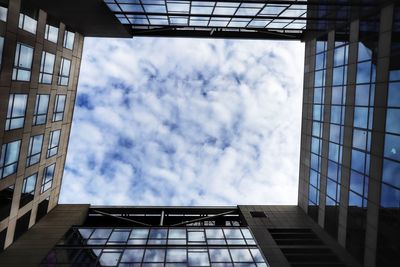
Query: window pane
[[176, 255], [132, 255], [154, 255], [241, 255], [198, 258], [392, 120], [220, 255]]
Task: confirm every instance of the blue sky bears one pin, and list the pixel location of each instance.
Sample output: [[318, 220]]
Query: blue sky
[[186, 122]]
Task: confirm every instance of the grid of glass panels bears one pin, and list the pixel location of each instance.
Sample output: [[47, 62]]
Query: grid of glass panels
[[363, 116], [234, 246], [317, 125], [214, 14], [390, 194], [360, 160], [336, 130]]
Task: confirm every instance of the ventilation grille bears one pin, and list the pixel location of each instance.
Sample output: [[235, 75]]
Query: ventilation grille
[[303, 248]]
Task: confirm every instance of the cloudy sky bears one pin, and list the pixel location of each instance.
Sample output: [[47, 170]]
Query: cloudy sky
[[186, 122]]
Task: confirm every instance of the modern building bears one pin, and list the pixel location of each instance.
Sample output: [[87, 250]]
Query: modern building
[[349, 181]]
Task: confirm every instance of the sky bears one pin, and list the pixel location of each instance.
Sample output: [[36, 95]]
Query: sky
[[186, 122]]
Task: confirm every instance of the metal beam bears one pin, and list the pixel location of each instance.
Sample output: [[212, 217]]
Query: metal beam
[[204, 218], [120, 218]]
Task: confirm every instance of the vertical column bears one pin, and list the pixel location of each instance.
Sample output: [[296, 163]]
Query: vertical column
[[378, 134]]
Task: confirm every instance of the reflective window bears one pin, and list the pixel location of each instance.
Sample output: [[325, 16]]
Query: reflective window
[[318, 118], [3, 11], [40, 112], [63, 76], [48, 175], [54, 142], [1, 48], [28, 190], [69, 38], [51, 29], [59, 106], [16, 111], [6, 199], [146, 254], [28, 19], [22, 63], [46, 67], [34, 149], [9, 158]]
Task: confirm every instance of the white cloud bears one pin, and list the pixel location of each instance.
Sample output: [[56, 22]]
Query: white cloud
[[186, 122]]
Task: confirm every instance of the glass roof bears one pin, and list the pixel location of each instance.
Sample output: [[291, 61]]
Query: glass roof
[[284, 18]]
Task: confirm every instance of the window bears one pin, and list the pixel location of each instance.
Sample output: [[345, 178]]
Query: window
[[59, 106], [51, 30], [9, 158], [6, 197], [63, 78], [46, 67], [1, 47], [40, 112], [16, 111], [48, 175], [53, 143], [34, 149], [28, 190], [3, 10], [22, 63], [69, 39], [219, 247], [28, 18]]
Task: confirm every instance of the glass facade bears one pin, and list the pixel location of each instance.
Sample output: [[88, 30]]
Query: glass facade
[[317, 127], [388, 250], [16, 111], [336, 131], [22, 63], [158, 246], [233, 14]]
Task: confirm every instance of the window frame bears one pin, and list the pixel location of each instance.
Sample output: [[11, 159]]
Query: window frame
[[30, 154], [56, 112], [16, 67], [50, 146], [45, 181], [10, 110]]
